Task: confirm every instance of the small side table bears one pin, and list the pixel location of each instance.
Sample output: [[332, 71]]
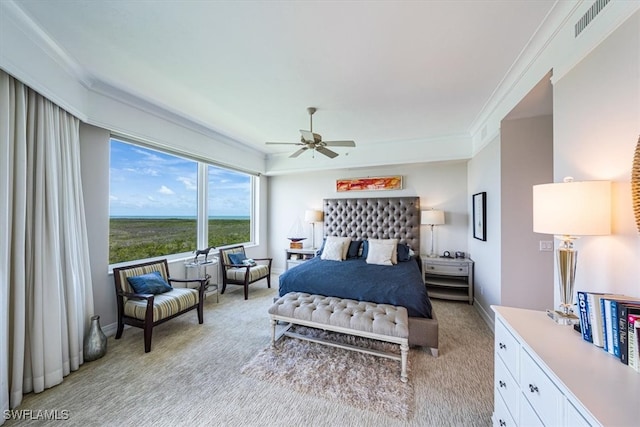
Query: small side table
[[448, 278], [196, 270]]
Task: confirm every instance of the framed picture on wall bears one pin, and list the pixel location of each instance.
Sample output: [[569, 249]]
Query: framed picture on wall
[[479, 216]]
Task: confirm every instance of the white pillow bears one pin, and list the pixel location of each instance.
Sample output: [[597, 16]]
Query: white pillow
[[382, 251], [344, 241], [332, 250]]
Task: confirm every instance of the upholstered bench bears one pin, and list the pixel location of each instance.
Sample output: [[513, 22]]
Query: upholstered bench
[[382, 322]]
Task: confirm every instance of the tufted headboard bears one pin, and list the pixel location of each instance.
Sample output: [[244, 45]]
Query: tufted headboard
[[377, 218]]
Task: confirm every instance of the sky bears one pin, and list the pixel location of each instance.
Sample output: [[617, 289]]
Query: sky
[[145, 182]]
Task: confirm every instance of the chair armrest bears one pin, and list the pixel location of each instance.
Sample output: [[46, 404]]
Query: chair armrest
[[237, 266], [131, 295], [200, 280], [262, 259]]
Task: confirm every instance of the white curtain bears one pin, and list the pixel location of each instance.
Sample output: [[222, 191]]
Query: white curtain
[[46, 297]]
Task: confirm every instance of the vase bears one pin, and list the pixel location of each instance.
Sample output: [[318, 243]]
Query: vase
[[95, 343]]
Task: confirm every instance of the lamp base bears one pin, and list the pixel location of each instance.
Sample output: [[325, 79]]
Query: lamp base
[[563, 318]]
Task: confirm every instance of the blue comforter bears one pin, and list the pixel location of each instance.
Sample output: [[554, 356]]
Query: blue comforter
[[399, 284]]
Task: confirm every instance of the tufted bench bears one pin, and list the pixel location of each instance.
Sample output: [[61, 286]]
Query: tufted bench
[[382, 322]]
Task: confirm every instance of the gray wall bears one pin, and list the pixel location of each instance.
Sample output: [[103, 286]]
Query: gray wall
[[526, 159]]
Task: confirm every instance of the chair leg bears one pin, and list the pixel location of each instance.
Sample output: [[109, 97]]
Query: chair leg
[[148, 328], [201, 312], [120, 329], [269, 281], [246, 291], [224, 288]]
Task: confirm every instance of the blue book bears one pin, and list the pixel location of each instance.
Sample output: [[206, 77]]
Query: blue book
[[615, 336], [605, 336], [585, 322]]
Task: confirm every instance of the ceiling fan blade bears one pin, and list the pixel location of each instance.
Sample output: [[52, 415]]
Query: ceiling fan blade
[[300, 151], [309, 136], [283, 143], [339, 143], [326, 152]]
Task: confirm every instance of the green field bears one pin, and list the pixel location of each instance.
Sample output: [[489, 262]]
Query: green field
[[139, 238]]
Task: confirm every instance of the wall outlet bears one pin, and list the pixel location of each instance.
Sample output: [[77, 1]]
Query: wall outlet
[[546, 245]]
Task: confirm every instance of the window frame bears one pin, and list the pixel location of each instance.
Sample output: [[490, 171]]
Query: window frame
[[202, 218]]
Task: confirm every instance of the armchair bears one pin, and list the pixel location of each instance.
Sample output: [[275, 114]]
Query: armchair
[[146, 309], [235, 272]]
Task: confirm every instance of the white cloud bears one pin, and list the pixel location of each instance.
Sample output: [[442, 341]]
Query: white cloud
[[189, 183], [165, 190]]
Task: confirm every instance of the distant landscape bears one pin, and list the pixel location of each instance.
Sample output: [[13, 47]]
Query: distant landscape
[[140, 238]]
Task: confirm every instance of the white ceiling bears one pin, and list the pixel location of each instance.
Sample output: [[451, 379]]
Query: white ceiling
[[379, 72]]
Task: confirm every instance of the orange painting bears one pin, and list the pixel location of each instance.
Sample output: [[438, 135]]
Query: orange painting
[[369, 184]]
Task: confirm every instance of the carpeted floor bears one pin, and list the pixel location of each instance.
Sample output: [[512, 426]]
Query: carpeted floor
[[193, 376]]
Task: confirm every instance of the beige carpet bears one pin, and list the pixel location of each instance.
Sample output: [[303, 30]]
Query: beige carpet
[[192, 376]]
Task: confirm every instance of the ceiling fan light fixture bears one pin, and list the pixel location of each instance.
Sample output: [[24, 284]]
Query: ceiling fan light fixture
[[313, 141]]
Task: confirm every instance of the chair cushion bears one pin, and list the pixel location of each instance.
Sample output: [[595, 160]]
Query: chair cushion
[[164, 305], [256, 272], [150, 283]]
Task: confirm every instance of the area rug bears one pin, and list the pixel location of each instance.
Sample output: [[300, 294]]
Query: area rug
[[361, 380]]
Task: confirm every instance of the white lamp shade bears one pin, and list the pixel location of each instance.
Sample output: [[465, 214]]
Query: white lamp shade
[[313, 216], [572, 208], [432, 217]]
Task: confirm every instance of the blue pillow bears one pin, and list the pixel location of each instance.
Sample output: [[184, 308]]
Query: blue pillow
[[150, 283], [354, 247], [365, 248], [237, 258], [319, 251], [403, 252]]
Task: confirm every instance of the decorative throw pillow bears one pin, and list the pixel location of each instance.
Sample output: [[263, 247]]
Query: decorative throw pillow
[[404, 252], [319, 251], [237, 258], [382, 251], [354, 248], [332, 251], [365, 248], [344, 241], [150, 283]]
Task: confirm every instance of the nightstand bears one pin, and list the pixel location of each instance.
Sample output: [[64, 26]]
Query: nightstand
[[448, 278], [295, 257]]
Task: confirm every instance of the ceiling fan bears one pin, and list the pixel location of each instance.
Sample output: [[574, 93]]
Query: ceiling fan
[[313, 141]]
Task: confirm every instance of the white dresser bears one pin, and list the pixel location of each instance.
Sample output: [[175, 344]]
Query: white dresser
[[546, 374]]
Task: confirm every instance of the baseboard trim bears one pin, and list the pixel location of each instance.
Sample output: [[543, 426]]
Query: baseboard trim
[[488, 319]]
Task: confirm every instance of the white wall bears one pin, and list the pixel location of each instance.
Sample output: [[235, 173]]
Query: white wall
[[439, 185], [484, 175], [596, 127]]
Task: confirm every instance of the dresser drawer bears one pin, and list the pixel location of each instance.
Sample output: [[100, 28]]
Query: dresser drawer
[[507, 387], [545, 398], [507, 348], [447, 269], [528, 417], [501, 415]]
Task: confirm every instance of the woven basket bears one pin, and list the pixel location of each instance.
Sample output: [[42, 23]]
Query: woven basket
[[635, 184]]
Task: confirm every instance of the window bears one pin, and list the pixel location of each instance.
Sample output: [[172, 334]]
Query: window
[[154, 204], [229, 207]]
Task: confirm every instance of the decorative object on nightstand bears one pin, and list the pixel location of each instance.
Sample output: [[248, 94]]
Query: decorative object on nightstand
[[449, 278], [432, 217], [569, 209], [296, 234], [313, 216]]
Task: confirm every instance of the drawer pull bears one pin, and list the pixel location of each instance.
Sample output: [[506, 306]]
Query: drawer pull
[[502, 383], [502, 346], [502, 423], [533, 388]]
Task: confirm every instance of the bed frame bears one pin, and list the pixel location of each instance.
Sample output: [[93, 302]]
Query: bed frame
[[384, 218]]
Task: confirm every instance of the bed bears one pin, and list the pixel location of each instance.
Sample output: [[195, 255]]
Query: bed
[[400, 284]]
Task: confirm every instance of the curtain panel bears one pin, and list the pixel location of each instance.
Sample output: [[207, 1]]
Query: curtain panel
[[46, 298]]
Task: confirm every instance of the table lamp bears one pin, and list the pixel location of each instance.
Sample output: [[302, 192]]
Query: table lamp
[[570, 209], [313, 216], [432, 217]]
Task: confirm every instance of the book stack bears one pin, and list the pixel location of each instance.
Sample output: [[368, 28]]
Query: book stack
[[612, 322]]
